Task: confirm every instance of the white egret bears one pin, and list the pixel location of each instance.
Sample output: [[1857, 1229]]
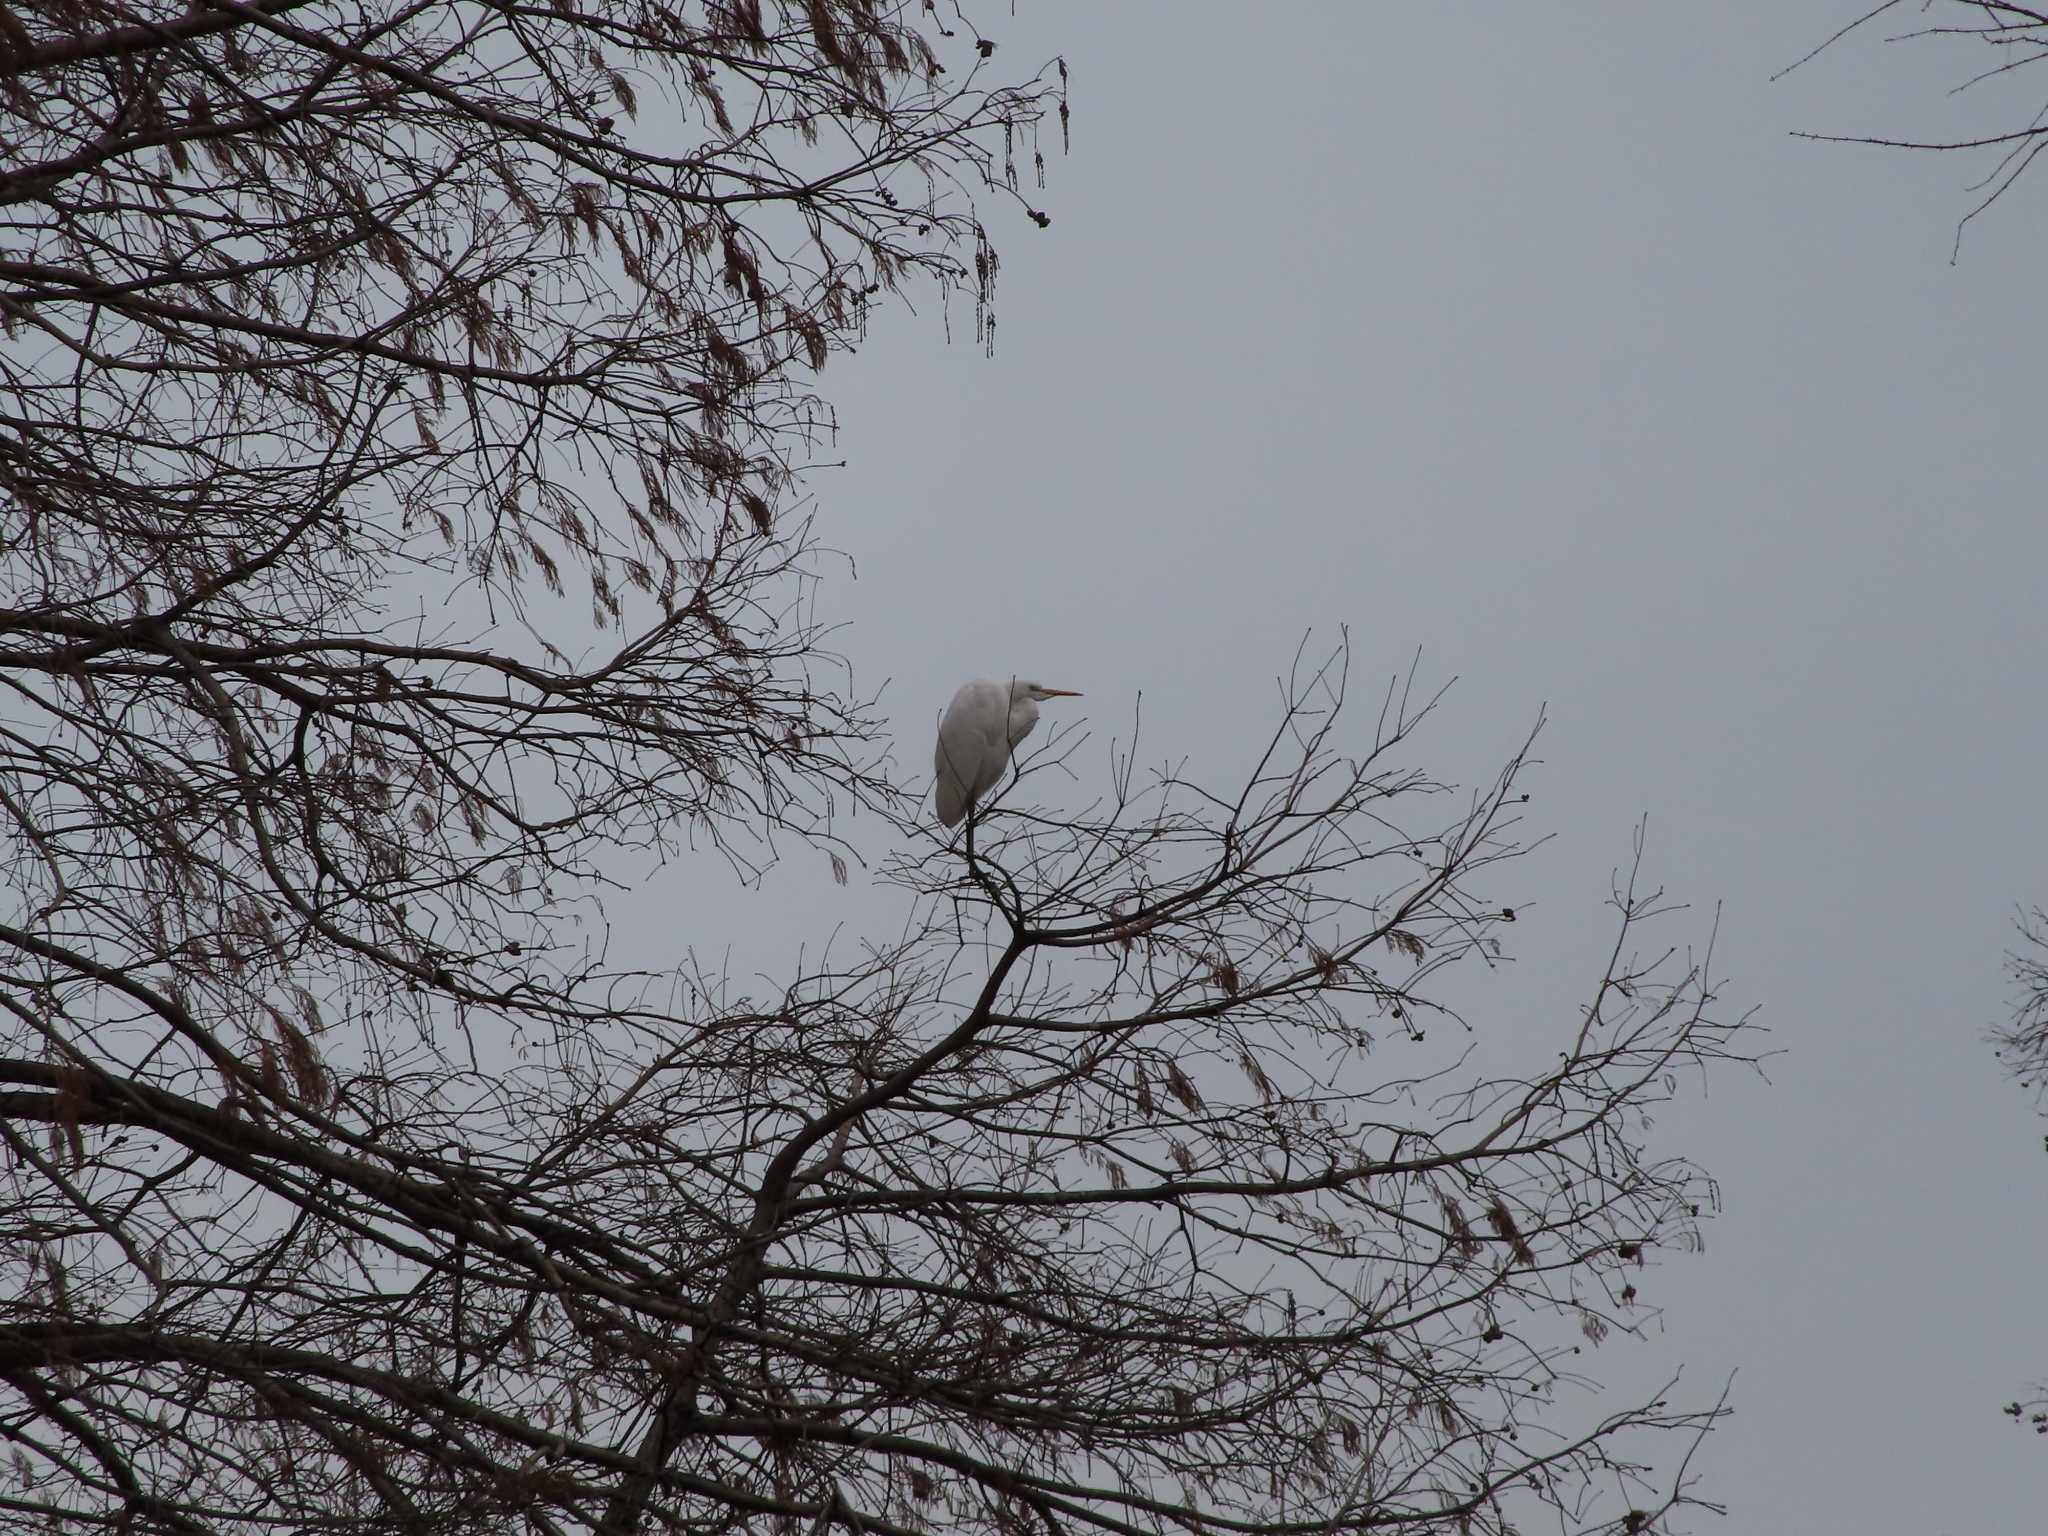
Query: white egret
[[983, 724]]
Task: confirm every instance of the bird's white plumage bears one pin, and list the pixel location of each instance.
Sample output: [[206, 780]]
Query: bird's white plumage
[[982, 726]]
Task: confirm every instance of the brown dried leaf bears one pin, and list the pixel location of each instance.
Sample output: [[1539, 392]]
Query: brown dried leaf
[[1462, 1239], [309, 1073], [1502, 1220], [758, 512]]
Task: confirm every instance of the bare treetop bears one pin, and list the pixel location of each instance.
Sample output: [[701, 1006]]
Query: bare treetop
[[1145, 1180], [2003, 42], [315, 313]]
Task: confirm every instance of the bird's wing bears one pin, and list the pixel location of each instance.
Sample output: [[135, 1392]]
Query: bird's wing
[[952, 801], [970, 731], [951, 765]]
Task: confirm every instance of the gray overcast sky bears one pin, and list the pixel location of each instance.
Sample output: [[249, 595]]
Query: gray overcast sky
[[1526, 334]]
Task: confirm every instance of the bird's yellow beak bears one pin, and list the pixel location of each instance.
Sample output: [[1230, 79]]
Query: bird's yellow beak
[[1061, 693]]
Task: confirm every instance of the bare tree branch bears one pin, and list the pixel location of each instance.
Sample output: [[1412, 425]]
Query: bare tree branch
[[2018, 38], [1173, 1167]]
